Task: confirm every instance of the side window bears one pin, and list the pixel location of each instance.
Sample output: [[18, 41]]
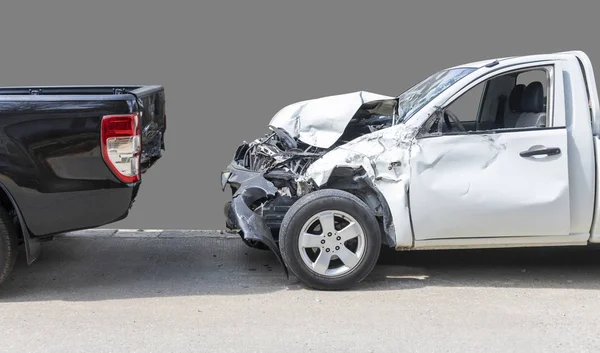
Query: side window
[[515, 100], [467, 106], [527, 77]]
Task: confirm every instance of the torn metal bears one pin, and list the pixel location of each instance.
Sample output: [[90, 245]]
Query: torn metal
[[384, 157], [341, 136], [321, 122], [358, 142], [380, 149], [154, 144]]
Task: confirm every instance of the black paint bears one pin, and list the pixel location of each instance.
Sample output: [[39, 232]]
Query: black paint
[[50, 153]]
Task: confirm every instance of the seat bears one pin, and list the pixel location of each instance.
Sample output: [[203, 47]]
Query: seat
[[532, 107], [514, 104]]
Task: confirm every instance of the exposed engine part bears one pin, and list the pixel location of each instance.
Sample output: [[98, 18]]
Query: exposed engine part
[[277, 151], [303, 186], [268, 175]]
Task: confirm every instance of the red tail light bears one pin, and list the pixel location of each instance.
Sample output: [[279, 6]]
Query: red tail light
[[121, 145]]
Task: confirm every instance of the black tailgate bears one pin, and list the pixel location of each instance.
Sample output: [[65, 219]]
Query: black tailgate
[[151, 106]]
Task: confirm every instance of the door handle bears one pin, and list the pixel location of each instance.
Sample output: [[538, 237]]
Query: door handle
[[552, 151]]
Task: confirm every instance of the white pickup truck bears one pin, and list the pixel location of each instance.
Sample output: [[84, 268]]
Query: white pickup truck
[[497, 153]]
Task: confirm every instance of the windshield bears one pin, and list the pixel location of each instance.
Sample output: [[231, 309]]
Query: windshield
[[412, 100]]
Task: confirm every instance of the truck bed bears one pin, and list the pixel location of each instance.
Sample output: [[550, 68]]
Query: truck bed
[[76, 90], [51, 161]]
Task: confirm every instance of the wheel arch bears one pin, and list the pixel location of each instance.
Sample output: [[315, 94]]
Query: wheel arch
[[32, 246], [356, 181]]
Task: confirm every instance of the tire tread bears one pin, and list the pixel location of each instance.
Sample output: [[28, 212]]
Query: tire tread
[[304, 275], [8, 245]]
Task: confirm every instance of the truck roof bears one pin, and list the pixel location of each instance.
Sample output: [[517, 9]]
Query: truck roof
[[524, 58]]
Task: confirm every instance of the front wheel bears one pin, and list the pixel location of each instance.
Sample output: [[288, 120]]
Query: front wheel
[[330, 239]]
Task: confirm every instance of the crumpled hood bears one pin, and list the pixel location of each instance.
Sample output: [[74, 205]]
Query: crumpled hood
[[321, 122]]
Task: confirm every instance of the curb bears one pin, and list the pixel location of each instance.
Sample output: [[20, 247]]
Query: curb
[[149, 233]]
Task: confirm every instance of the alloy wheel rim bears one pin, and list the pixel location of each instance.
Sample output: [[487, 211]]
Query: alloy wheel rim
[[332, 243]]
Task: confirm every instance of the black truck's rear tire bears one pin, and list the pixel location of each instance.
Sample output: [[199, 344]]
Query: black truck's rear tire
[[8, 245], [330, 240]]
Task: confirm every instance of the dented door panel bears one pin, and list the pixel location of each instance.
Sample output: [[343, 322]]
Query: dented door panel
[[469, 186], [445, 187]]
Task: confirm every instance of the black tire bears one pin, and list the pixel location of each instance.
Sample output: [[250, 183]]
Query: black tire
[[308, 206], [8, 245]]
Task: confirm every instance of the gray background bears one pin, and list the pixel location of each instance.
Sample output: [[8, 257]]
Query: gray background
[[228, 66]]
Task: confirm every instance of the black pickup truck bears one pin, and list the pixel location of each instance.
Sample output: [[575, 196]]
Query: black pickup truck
[[72, 157]]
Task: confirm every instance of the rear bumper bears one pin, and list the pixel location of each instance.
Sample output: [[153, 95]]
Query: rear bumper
[[55, 213]]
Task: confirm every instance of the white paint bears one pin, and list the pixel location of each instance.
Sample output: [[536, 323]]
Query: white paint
[[475, 190], [469, 186], [320, 122], [580, 146], [595, 229], [590, 78], [384, 156], [502, 242]]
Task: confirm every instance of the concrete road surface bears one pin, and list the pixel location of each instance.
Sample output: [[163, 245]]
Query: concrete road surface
[[198, 292]]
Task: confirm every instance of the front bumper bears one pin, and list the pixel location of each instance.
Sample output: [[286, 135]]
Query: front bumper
[[249, 188]]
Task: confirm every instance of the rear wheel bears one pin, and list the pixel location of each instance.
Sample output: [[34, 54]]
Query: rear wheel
[[330, 240], [8, 245]]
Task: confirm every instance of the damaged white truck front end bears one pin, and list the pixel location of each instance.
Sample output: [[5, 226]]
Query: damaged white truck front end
[[343, 135], [340, 175]]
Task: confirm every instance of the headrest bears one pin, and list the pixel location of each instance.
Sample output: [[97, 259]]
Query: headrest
[[514, 100], [533, 98]]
